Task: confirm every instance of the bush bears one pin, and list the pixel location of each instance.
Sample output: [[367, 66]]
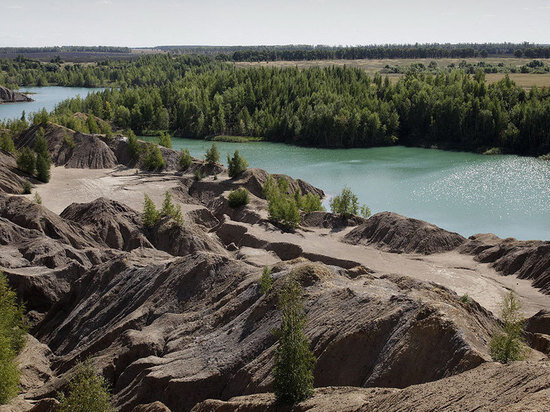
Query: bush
[[40, 118], [134, 148], [170, 210], [198, 176], [68, 139], [365, 211], [212, 154], [266, 281], [40, 142], [13, 327], [238, 198], [545, 157], [185, 159], [6, 143], [43, 165], [87, 392], [164, 140], [294, 361], [284, 210], [309, 203], [150, 214], [346, 205], [27, 187], [26, 161], [236, 165], [152, 158], [508, 343], [37, 198], [465, 299]]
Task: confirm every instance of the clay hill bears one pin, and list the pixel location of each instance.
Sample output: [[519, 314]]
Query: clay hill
[[10, 96], [172, 316]]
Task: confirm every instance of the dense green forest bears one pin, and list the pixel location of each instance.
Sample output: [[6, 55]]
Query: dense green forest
[[198, 97]]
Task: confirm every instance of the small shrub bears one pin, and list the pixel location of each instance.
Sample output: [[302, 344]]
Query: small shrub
[[284, 210], [68, 139], [215, 177], [545, 157], [508, 343], [9, 373], [345, 204], [26, 161], [238, 198], [236, 164], [40, 142], [27, 187], [40, 118], [309, 203], [37, 198], [6, 143], [212, 154], [150, 214], [365, 211], [294, 361], [465, 299], [43, 164], [266, 281], [170, 210], [152, 158], [134, 148], [165, 140], [493, 151], [185, 159], [198, 175], [87, 392]]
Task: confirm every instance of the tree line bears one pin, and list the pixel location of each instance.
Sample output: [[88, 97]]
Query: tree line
[[333, 107]]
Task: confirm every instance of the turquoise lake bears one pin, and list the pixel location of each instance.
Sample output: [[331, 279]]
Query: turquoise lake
[[463, 192]]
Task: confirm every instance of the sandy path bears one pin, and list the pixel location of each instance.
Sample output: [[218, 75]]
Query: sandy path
[[460, 273]]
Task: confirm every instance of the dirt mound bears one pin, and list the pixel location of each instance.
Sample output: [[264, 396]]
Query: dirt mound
[[10, 181], [10, 96], [330, 220], [109, 222], [525, 259], [520, 386], [88, 151], [395, 233]]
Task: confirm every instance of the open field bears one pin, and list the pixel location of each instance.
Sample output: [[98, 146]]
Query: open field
[[526, 80]]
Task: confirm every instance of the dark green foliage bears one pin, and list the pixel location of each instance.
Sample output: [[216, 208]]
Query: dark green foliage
[[170, 210], [88, 392], [13, 327], [294, 361], [69, 140], [26, 161], [133, 145], [212, 154], [150, 214], [43, 164], [185, 159], [27, 187], [465, 299], [238, 198], [164, 140], [282, 206], [40, 118], [40, 142], [508, 343], [198, 175], [266, 281], [6, 143], [236, 164], [152, 158]]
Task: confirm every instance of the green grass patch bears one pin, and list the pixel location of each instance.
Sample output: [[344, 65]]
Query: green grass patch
[[236, 139]]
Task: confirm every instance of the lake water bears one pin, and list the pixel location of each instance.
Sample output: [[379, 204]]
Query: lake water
[[463, 192], [47, 97]]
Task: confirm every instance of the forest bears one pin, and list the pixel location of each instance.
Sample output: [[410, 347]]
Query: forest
[[199, 97]]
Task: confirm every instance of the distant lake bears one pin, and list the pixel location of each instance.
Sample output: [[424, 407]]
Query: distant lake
[[47, 97], [463, 192]]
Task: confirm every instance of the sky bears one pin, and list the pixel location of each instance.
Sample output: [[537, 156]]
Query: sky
[[145, 23]]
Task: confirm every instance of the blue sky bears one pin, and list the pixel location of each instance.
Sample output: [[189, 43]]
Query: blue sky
[[250, 22]]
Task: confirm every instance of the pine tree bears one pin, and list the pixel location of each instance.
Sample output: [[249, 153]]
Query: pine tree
[[150, 214], [165, 141], [26, 161], [294, 361], [212, 154], [236, 164], [266, 281], [185, 159], [43, 167]]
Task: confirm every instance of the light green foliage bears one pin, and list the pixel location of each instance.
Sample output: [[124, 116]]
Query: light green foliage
[[545, 157], [92, 125], [133, 145], [346, 205], [508, 343], [236, 164], [266, 281], [294, 361], [69, 140], [238, 198], [37, 198], [212, 154], [465, 299], [40, 118], [185, 159], [164, 140], [27, 187], [88, 392], [26, 161], [13, 327], [150, 214], [6, 143], [308, 203], [170, 210], [152, 158]]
